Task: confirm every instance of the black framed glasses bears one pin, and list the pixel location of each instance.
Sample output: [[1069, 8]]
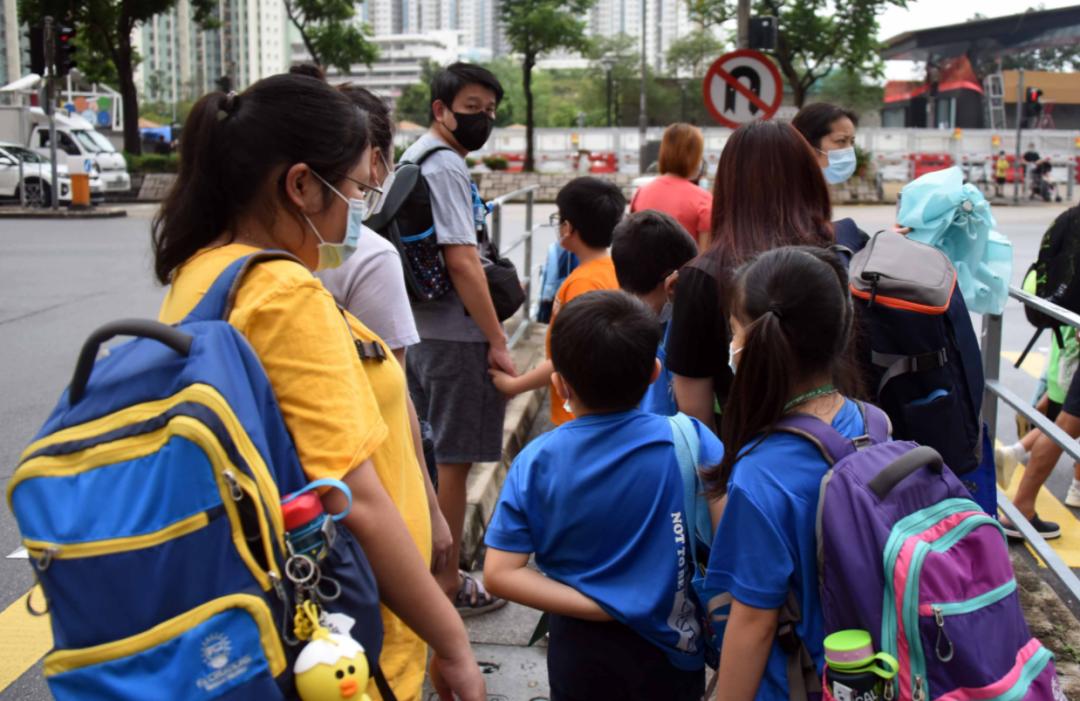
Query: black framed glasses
[[372, 194]]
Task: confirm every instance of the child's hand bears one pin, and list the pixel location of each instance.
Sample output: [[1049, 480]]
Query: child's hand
[[504, 382]]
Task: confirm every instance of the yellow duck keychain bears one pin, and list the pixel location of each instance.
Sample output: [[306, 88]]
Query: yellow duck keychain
[[331, 666]]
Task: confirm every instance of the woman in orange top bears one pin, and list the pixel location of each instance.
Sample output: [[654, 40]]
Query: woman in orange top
[[283, 166], [676, 191]]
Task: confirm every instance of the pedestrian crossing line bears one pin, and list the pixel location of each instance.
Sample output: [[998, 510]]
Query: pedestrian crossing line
[[1034, 364], [20, 553], [1050, 509], [24, 638]]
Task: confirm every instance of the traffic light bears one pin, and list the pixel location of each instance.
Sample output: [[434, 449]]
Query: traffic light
[[36, 39], [1033, 103], [65, 49]]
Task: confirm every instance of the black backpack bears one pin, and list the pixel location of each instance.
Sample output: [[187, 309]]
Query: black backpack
[[405, 221], [1053, 275], [917, 348]]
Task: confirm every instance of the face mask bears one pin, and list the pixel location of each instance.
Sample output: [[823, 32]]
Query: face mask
[[841, 165], [665, 312], [332, 255], [731, 353], [473, 130]]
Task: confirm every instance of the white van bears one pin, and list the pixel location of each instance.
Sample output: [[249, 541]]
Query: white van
[[77, 137]]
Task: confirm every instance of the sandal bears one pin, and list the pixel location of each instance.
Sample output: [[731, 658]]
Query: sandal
[[472, 599]]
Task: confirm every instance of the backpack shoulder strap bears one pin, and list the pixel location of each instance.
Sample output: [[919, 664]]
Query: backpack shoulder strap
[[405, 177], [424, 155], [218, 301], [688, 453], [833, 445]]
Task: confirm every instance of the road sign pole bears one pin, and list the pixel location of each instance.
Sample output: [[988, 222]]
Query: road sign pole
[[743, 18], [1019, 183]]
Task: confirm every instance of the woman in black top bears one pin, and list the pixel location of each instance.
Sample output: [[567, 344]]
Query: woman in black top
[[769, 192]]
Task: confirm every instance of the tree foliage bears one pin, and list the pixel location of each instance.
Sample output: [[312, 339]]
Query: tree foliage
[[534, 28], [814, 37], [692, 53], [104, 29], [329, 33]]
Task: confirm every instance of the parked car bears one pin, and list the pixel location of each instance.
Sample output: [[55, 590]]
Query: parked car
[[37, 177]]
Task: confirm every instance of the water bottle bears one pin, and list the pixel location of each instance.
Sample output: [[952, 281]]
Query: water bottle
[[853, 671], [309, 530]]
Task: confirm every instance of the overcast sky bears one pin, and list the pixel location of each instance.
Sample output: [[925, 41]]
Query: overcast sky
[[923, 14]]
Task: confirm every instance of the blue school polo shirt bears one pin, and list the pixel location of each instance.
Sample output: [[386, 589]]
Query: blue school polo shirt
[[599, 500], [766, 545], [660, 396]]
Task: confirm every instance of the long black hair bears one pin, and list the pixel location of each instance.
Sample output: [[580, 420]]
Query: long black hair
[[796, 311], [233, 144]]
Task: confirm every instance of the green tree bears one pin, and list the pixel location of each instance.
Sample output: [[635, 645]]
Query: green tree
[[414, 104], [105, 28], [534, 28], [848, 89], [329, 34], [693, 53], [814, 37]]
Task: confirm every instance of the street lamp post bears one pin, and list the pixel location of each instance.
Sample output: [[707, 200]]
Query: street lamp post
[[643, 119], [608, 62]]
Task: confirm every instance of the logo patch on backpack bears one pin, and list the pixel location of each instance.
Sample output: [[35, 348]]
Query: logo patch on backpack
[[216, 649]]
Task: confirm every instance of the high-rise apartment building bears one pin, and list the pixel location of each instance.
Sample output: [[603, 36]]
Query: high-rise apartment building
[[665, 21], [182, 61], [11, 54]]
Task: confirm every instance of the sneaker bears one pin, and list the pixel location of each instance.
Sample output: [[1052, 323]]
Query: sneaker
[[1005, 462], [1073, 497], [1047, 529]]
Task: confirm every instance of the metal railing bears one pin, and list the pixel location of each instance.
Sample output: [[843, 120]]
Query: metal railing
[[526, 240], [995, 390]]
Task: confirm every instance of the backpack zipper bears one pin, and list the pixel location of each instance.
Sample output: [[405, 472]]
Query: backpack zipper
[[941, 611]]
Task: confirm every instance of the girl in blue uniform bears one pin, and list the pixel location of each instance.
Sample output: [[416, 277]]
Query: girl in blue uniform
[[791, 322]]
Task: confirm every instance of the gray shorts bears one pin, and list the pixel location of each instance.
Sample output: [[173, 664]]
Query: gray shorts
[[452, 391]]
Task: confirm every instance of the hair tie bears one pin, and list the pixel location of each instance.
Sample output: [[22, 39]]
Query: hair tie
[[774, 309], [232, 101]]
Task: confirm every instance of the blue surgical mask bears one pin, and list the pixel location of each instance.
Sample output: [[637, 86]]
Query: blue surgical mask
[[841, 166], [665, 312], [731, 353], [333, 255]]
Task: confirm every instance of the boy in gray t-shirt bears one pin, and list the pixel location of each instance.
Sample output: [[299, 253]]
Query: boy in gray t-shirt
[[460, 334]]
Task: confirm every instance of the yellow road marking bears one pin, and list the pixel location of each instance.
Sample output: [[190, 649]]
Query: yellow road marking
[[1050, 509], [24, 638], [1033, 364]]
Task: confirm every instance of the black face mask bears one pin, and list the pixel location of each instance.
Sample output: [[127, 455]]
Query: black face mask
[[473, 130]]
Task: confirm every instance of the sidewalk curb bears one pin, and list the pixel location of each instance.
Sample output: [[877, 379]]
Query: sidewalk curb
[[486, 479], [63, 213]]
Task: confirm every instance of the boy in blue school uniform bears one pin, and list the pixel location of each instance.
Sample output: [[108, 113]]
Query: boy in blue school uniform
[[599, 501], [648, 248]]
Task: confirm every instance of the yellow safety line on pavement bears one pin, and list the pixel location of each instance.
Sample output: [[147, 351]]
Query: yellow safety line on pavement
[[1033, 364], [1050, 509], [24, 638]]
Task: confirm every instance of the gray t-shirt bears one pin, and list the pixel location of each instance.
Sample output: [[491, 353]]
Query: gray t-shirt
[[371, 285], [445, 319]]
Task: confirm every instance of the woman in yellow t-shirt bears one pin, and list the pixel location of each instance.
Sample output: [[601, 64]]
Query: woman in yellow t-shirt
[[283, 165]]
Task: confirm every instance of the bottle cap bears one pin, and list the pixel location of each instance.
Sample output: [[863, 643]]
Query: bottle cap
[[302, 509], [849, 649]]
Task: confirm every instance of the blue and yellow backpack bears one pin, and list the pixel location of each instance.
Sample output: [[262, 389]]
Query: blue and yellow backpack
[[150, 504]]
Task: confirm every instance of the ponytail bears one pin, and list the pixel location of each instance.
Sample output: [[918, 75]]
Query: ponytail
[[796, 311], [231, 147]]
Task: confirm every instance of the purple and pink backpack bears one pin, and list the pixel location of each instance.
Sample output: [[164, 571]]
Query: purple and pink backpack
[[904, 553]]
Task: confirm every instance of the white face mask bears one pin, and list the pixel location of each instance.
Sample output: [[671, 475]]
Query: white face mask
[[731, 353], [665, 312], [841, 166], [332, 255]]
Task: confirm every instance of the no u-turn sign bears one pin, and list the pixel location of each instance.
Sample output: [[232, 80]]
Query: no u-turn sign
[[742, 86]]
